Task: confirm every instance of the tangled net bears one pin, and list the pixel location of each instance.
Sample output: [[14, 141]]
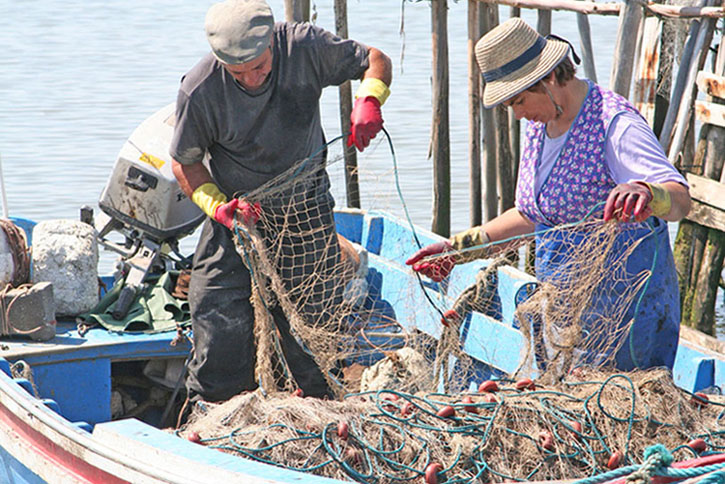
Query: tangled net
[[571, 429], [403, 381]]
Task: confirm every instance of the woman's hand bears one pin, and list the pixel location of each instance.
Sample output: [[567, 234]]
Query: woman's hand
[[439, 267], [628, 200]]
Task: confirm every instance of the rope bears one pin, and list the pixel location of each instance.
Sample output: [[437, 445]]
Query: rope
[[19, 252], [655, 457]]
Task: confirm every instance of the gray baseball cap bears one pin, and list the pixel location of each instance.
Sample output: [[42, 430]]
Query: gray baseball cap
[[239, 30]]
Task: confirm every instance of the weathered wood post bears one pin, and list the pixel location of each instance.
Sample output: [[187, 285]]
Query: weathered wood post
[[679, 86], [474, 116], [488, 20], [585, 39], [352, 186], [645, 85], [630, 18], [440, 137], [514, 124], [543, 22], [294, 11], [708, 211]]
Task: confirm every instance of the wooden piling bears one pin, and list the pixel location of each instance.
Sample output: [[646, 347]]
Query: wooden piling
[[352, 185], [440, 137], [474, 116], [585, 40], [629, 24], [684, 113], [488, 20], [645, 86]]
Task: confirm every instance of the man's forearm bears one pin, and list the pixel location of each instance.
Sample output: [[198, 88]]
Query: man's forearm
[[190, 177], [379, 66]]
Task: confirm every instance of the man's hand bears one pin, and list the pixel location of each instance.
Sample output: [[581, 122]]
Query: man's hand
[[628, 200], [248, 213], [438, 268], [366, 121]]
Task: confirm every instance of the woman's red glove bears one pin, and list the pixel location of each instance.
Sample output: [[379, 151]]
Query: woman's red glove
[[438, 268], [628, 200]]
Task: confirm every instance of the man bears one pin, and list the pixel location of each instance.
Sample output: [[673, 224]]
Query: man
[[252, 104]]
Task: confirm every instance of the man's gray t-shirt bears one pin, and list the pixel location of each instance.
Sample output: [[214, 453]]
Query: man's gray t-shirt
[[253, 136]]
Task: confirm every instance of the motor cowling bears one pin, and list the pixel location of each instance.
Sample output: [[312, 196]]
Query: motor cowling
[[142, 192]]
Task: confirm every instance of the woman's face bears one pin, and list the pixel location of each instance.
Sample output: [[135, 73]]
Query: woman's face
[[533, 105]]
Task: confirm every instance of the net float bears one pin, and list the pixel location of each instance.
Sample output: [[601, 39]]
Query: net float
[[298, 393], [700, 399], [577, 426], [469, 408], [353, 455], [388, 399], [194, 437], [488, 386], [698, 445], [546, 440], [450, 316], [446, 412], [343, 430], [489, 398], [407, 409], [431, 473], [525, 384], [615, 460]]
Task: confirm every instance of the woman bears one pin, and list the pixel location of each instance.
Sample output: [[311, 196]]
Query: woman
[[587, 150]]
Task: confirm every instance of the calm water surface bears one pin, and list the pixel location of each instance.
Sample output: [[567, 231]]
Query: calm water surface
[[76, 78]]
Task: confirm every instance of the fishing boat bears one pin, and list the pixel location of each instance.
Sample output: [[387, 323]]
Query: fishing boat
[[58, 428], [58, 425]]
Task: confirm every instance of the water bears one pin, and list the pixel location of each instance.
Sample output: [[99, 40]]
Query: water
[[76, 78]]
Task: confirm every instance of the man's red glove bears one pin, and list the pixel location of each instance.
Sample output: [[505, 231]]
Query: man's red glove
[[248, 213], [628, 200], [438, 268], [366, 121]]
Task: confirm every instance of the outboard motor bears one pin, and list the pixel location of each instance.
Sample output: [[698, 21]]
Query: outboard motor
[[143, 201]]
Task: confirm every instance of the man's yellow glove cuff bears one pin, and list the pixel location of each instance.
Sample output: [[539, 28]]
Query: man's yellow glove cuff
[[473, 238], [371, 86], [661, 201], [208, 197]]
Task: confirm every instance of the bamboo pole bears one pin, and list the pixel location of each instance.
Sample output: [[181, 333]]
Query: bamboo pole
[[489, 19], [352, 186], [474, 116], [585, 38], [624, 51], [440, 140], [611, 8]]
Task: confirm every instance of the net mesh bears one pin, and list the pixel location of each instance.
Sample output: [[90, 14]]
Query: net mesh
[[405, 385]]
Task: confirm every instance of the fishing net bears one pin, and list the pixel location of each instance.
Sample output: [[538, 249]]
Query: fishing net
[[576, 428], [404, 362]]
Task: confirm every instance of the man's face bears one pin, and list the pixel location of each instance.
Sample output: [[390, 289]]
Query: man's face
[[251, 75]]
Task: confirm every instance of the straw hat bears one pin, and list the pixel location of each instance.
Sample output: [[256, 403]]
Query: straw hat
[[513, 57]]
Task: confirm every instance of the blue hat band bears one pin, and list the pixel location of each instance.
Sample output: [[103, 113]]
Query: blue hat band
[[517, 63]]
